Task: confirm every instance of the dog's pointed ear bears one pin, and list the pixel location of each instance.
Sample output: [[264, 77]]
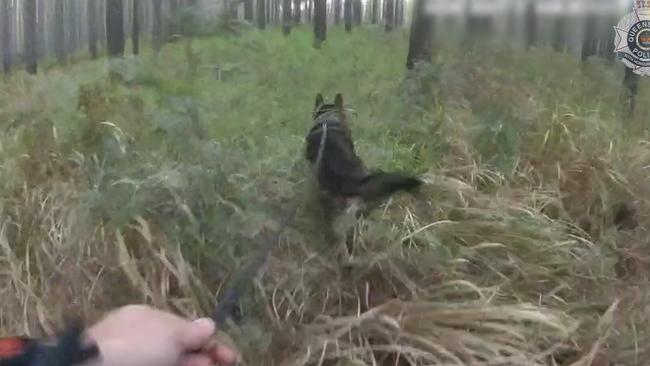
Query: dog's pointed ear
[[338, 101], [319, 100]]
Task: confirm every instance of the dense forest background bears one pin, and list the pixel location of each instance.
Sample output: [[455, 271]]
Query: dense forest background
[[43, 29], [148, 147]]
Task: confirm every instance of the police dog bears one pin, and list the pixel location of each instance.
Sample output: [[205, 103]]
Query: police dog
[[347, 189]]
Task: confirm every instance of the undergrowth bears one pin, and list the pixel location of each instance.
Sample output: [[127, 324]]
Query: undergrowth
[[150, 179]]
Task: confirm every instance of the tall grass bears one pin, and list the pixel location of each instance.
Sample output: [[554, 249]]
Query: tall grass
[[149, 179]]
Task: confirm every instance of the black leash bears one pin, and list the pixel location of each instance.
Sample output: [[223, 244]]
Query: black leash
[[69, 349], [228, 306]]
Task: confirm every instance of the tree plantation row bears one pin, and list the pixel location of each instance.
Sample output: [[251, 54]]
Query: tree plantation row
[[34, 30]]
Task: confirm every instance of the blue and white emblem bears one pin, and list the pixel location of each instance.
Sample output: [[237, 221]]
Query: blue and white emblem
[[632, 44]]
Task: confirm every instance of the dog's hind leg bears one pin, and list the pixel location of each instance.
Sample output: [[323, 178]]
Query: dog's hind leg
[[349, 242], [345, 225]]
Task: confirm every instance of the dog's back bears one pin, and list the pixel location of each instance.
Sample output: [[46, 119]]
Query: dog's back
[[339, 170], [346, 187], [330, 149]]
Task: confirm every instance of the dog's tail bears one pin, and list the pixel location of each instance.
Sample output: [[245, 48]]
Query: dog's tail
[[380, 185]]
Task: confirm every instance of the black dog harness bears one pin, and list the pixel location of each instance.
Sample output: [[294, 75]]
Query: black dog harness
[[327, 120], [326, 125]]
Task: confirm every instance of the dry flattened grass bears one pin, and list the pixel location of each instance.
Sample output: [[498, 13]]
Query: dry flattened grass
[[47, 276]]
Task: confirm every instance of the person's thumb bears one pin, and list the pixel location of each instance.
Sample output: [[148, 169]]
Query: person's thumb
[[196, 334]]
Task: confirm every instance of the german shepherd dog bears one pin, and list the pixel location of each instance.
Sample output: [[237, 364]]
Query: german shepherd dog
[[347, 189]]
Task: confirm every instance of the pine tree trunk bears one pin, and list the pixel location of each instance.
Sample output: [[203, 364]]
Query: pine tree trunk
[[631, 87], [347, 14], [590, 40], [606, 46], [479, 25], [389, 15], [73, 39], [511, 20], [101, 15], [135, 32], [310, 11], [191, 20], [41, 32], [29, 32], [261, 14], [358, 12], [531, 24], [375, 11], [115, 28], [559, 36], [92, 28], [268, 11], [399, 13], [59, 32], [7, 35], [296, 11], [286, 17], [174, 21], [420, 42], [337, 12], [248, 10], [320, 22], [157, 29]]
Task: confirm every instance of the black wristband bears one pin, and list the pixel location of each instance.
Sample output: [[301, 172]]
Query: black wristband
[[68, 350]]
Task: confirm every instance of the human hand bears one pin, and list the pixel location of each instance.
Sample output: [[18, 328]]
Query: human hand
[[139, 335]]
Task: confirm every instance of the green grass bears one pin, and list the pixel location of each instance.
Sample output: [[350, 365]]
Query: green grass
[[148, 179]]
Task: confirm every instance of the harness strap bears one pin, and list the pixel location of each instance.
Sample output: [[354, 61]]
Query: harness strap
[[331, 124], [321, 147]]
